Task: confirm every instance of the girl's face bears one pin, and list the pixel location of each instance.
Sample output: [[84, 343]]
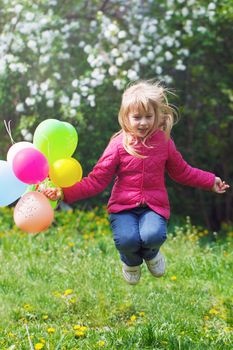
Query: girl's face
[[141, 122]]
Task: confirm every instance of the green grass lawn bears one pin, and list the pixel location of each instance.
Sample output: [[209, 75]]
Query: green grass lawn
[[63, 289]]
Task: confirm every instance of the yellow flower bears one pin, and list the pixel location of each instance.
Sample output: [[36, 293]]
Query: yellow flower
[[173, 278], [10, 334], [142, 313], [77, 327], [45, 317], [83, 328], [206, 317], [72, 300], [213, 311], [101, 343], [68, 292], [42, 340], [27, 307], [71, 244], [39, 346], [133, 318], [79, 334], [51, 330]]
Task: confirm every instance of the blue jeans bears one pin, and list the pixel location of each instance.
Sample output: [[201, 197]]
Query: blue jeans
[[138, 234]]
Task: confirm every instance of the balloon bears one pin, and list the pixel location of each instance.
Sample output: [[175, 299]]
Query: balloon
[[33, 213], [15, 148], [30, 166], [11, 188], [40, 187], [55, 139], [65, 172]]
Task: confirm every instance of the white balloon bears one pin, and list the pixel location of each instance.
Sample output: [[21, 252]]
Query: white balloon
[[15, 148]]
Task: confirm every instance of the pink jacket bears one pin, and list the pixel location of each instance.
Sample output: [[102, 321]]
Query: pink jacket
[[139, 180]]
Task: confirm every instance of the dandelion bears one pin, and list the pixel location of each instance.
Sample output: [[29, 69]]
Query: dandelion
[[142, 313], [68, 292], [206, 317], [71, 244], [79, 334], [77, 327], [133, 318], [213, 311], [173, 278], [101, 343], [39, 346], [45, 317], [28, 307], [51, 330]]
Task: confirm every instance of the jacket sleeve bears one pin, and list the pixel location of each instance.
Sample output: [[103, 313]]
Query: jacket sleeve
[[98, 179], [182, 172]]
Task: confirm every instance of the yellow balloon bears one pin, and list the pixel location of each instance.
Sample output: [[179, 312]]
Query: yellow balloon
[[65, 172]]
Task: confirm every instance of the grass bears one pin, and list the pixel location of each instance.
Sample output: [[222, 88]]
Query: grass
[[63, 289]]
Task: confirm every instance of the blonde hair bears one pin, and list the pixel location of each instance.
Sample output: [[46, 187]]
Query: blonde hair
[[145, 95]]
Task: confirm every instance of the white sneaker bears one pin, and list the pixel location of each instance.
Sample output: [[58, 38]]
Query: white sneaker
[[131, 274], [156, 266]]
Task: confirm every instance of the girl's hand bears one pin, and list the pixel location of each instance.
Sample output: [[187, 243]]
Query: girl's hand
[[219, 186], [53, 194]]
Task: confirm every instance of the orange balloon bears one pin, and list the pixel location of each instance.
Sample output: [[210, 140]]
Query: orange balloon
[[33, 212]]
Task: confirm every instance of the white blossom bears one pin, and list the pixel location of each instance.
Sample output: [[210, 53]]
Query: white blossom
[[132, 75], [18, 8], [91, 100], [143, 60], [29, 16], [64, 100], [34, 89], [28, 137], [180, 65], [168, 56], [201, 29], [30, 101], [50, 103], [72, 113], [118, 83], [119, 61], [20, 107], [87, 49], [57, 75], [115, 52], [113, 70], [49, 94], [185, 11], [75, 83], [211, 6], [158, 70], [122, 34], [44, 86]]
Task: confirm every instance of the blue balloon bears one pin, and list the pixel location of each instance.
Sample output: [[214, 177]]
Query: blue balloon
[[11, 188]]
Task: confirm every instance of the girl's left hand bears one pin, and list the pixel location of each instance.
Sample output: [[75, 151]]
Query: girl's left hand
[[219, 186]]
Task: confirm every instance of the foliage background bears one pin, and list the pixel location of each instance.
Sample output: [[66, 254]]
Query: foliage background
[[72, 60]]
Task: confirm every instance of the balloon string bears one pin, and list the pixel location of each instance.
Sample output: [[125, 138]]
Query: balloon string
[[8, 129]]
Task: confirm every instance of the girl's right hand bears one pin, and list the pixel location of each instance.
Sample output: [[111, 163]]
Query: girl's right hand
[[53, 193]]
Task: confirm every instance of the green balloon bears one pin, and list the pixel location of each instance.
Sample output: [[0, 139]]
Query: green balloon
[[55, 139]]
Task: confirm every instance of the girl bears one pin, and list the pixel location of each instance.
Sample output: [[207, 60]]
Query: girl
[[138, 156]]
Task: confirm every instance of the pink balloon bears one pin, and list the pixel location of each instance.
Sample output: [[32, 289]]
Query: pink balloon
[[33, 213], [15, 148], [30, 166]]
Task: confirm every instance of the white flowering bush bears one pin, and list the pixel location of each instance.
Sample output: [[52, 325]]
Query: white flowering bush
[[68, 61]]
